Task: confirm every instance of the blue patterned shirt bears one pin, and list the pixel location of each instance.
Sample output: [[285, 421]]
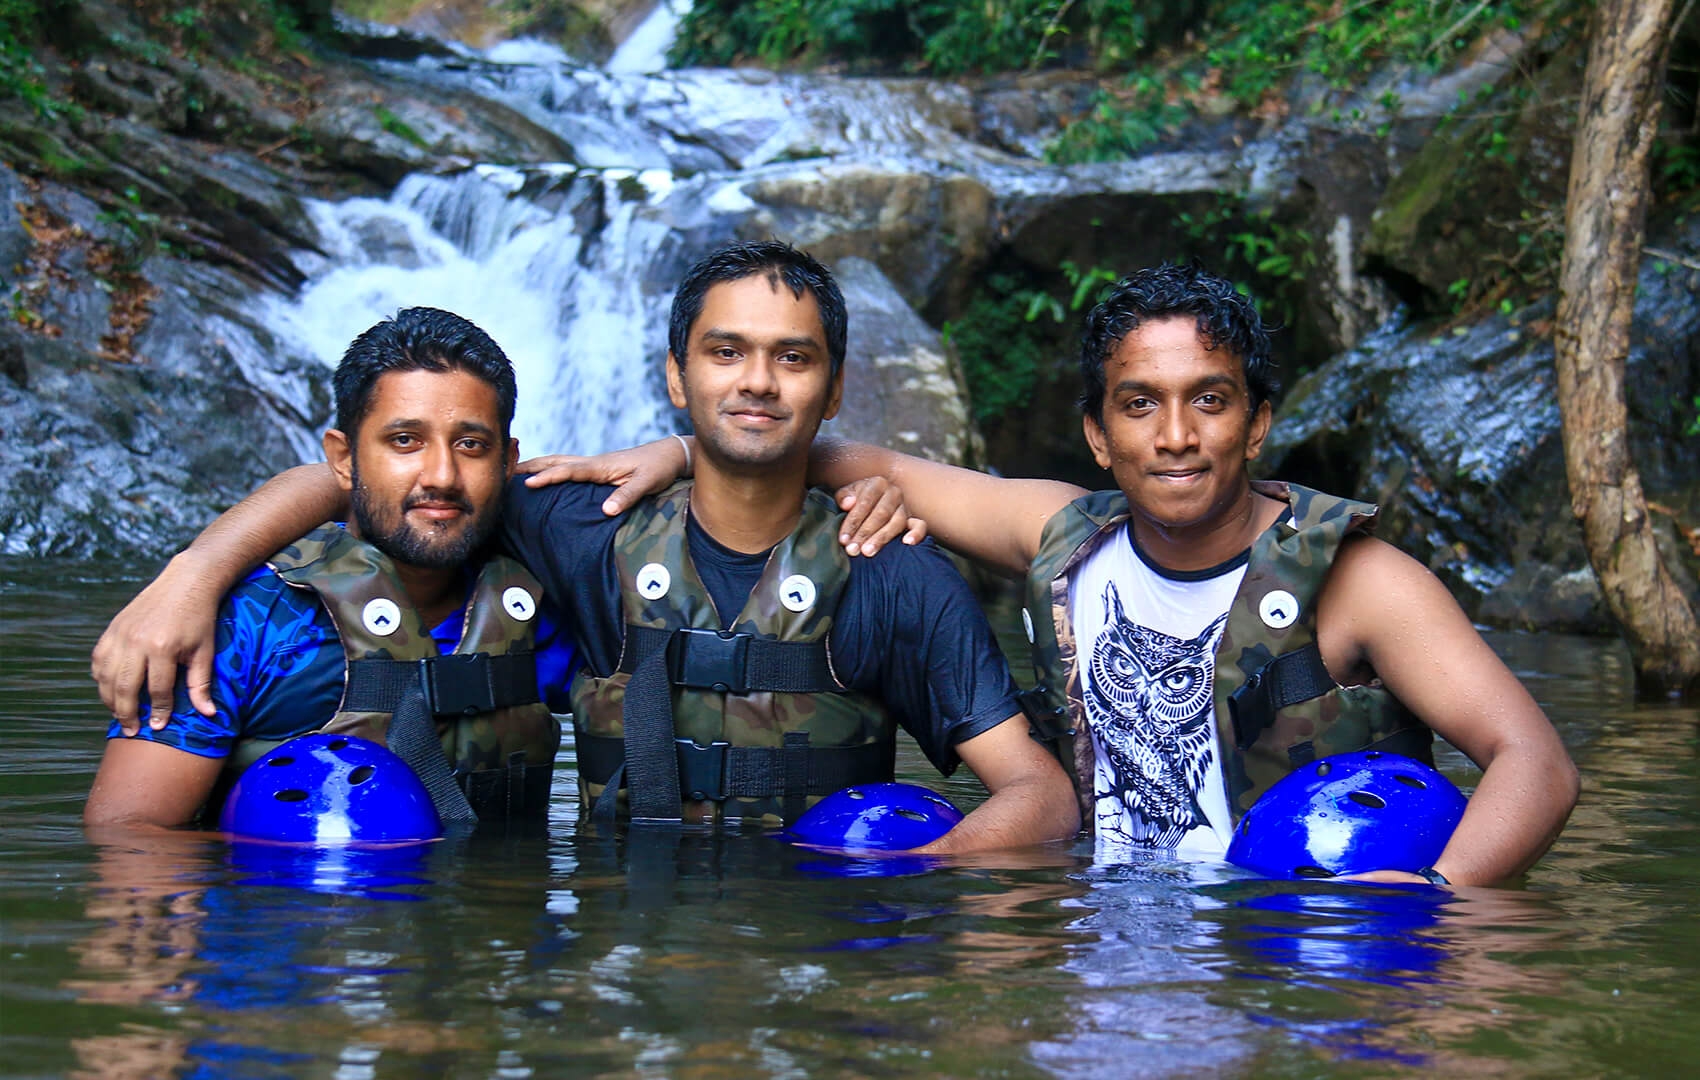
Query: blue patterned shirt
[[278, 668]]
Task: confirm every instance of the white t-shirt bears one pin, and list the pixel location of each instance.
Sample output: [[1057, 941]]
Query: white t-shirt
[[1147, 640]]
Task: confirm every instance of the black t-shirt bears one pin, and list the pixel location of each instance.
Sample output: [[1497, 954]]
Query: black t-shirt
[[907, 632]]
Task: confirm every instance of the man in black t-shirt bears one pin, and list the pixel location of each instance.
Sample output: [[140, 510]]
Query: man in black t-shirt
[[727, 602]]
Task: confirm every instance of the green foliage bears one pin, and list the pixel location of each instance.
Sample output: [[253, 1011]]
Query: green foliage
[[1247, 245], [1694, 425], [142, 231], [398, 127], [945, 37], [20, 74], [1014, 329], [1247, 49]]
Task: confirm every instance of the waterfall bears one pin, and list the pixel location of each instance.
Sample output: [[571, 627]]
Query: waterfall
[[550, 263], [645, 50]]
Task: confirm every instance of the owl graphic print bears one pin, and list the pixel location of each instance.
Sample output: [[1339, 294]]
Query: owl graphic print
[[1148, 639]]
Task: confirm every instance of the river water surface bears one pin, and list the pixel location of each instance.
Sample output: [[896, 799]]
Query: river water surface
[[568, 954]]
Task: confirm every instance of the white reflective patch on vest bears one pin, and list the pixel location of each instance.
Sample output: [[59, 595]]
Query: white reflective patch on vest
[[518, 603], [1027, 621], [1278, 609], [653, 581], [381, 617], [797, 593]]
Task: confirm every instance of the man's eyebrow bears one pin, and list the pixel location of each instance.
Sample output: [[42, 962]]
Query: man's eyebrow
[[409, 423], [732, 337], [1138, 386]]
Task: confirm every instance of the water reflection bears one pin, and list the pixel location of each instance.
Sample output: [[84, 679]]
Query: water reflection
[[567, 953]]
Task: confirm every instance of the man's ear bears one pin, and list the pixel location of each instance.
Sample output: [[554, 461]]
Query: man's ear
[[513, 455], [675, 381], [836, 397], [1095, 439], [1260, 422], [339, 455]]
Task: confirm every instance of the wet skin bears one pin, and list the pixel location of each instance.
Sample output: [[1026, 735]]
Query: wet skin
[[1178, 429]]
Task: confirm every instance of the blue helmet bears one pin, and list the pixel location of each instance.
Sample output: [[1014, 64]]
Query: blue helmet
[[876, 817], [328, 790], [1346, 814]]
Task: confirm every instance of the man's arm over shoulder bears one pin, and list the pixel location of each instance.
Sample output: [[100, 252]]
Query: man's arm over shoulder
[[170, 622], [1383, 614], [995, 520], [160, 776]]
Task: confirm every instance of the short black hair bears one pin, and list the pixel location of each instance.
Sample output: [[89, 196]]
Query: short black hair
[[1226, 319], [780, 262], [418, 339]]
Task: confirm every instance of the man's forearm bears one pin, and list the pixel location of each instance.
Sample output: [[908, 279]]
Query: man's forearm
[[1517, 811], [282, 509], [1020, 814]]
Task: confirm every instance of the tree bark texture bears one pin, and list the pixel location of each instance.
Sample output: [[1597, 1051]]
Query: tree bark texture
[[1605, 218]]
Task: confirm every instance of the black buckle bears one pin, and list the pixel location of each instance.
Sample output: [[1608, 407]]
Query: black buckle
[[709, 660], [1249, 708], [458, 684], [702, 770]]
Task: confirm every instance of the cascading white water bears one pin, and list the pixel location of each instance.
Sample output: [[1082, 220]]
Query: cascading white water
[[564, 300]]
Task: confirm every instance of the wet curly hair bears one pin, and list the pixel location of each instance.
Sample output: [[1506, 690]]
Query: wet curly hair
[[1226, 319]]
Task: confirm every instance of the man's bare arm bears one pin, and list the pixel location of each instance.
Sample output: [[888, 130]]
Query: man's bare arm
[[1383, 609], [995, 520], [171, 621], [142, 783], [1032, 798]]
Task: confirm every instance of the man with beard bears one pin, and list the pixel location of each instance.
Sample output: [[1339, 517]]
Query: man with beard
[[396, 615], [737, 662]]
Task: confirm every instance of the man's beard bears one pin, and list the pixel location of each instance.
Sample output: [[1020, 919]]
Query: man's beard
[[429, 549]]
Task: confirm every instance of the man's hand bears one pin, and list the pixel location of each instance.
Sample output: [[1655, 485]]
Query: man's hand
[[639, 471], [874, 507], [171, 622], [1387, 877], [875, 516]]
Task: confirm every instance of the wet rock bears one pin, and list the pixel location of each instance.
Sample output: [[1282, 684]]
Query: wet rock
[[902, 387], [1455, 430], [112, 450]]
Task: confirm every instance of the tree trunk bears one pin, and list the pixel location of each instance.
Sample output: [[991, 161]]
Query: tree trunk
[[1605, 217]]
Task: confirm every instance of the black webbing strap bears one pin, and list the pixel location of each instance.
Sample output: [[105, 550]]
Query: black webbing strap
[[453, 685], [412, 736], [732, 662], [720, 771], [794, 759], [721, 660], [652, 769], [1286, 680]]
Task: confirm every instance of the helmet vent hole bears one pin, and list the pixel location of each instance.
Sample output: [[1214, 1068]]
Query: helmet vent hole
[[912, 815], [361, 775], [1410, 781], [1323, 768], [291, 795], [276, 761], [339, 744], [1373, 754], [1312, 872], [855, 793], [1364, 798]]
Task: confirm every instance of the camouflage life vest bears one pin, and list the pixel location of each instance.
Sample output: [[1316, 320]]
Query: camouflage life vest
[[499, 739], [1277, 707], [759, 723]]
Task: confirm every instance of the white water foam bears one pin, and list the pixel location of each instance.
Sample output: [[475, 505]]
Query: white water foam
[[566, 304]]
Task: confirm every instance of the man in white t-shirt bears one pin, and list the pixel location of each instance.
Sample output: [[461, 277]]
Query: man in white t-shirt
[[1198, 634]]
